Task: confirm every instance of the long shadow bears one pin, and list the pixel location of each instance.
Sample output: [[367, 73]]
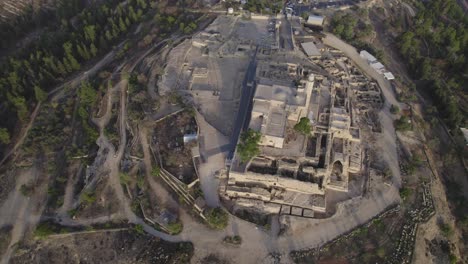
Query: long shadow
[[211, 152]]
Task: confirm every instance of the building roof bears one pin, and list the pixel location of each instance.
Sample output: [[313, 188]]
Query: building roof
[[276, 123], [280, 93], [366, 55], [190, 137], [315, 20], [310, 49], [389, 76], [377, 65], [261, 107]]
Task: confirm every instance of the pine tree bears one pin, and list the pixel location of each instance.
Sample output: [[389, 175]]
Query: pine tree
[[4, 136], [102, 42], [40, 94], [67, 65], [20, 104], [108, 35], [61, 68], [86, 52], [90, 33], [122, 26], [73, 63], [80, 51], [93, 50]]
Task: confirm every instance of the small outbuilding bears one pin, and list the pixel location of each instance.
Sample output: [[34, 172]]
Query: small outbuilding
[[389, 76], [315, 21]]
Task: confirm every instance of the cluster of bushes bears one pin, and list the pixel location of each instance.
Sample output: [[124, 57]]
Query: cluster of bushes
[[348, 27]]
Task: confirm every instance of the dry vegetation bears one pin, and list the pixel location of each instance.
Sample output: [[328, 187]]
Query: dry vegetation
[[103, 247]]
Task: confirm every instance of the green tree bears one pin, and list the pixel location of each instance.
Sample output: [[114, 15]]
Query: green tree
[[40, 94], [20, 104], [93, 50], [122, 26], [248, 147], [87, 94], [4, 136], [90, 33], [109, 36], [303, 126], [67, 47]]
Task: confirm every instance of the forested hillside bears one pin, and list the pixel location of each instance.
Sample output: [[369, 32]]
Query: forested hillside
[[63, 47], [436, 50]]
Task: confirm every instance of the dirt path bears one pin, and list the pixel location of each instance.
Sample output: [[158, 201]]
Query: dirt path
[[69, 189], [22, 212]]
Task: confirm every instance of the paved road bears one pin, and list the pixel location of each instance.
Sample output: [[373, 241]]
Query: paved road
[[285, 31], [245, 106]]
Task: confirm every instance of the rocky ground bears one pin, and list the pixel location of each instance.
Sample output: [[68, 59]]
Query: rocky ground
[[126, 246]]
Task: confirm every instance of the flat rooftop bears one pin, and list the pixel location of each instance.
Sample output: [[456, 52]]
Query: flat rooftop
[[282, 94], [276, 124], [311, 49]]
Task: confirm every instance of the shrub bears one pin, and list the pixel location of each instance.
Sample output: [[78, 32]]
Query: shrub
[[26, 190], [394, 109], [72, 212], [217, 217], [402, 124], [405, 193], [446, 230], [175, 227], [43, 230], [236, 240], [156, 171], [138, 228]]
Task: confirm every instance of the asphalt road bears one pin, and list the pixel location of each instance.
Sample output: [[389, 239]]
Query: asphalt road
[[245, 105]]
